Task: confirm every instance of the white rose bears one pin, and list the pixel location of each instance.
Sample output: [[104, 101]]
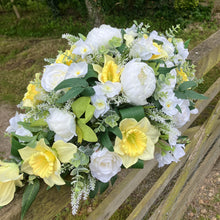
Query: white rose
[[138, 82], [104, 165], [62, 123], [98, 37], [53, 75]]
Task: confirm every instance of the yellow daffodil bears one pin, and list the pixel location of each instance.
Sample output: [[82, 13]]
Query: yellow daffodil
[[110, 71], [67, 57], [182, 74], [9, 179], [42, 160], [34, 91], [138, 141]]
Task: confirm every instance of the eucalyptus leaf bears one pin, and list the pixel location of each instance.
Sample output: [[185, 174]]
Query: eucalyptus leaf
[[72, 83], [186, 85]]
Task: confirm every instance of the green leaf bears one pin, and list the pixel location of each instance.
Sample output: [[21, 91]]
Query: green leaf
[[136, 112], [105, 140], [190, 94], [93, 193], [113, 179], [91, 73], [29, 196], [103, 186], [89, 91], [178, 108], [116, 131], [180, 95], [115, 42], [186, 44], [40, 122], [138, 165], [88, 134], [25, 138], [165, 70], [72, 83], [72, 93], [29, 127], [15, 146], [186, 85], [79, 106]]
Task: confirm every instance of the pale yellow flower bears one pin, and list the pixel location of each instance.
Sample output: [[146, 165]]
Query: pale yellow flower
[[34, 91], [110, 71], [138, 141], [182, 74], [9, 179], [42, 161]]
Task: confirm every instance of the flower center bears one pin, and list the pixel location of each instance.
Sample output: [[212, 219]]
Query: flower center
[[42, 164], [109, 72], [134, 142]]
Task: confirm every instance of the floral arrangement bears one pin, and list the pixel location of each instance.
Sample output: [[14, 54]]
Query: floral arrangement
[[115, 99]]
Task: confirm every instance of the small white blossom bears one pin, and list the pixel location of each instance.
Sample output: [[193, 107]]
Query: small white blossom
[[77, 70], [82, 48], [101, 105]]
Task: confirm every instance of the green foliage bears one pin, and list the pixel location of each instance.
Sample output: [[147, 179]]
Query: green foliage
[[186, 4]]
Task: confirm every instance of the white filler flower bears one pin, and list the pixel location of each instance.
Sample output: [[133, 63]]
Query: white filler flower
[[62, 123], [53, 75], [104, 165], [138, 82], [101, 36]]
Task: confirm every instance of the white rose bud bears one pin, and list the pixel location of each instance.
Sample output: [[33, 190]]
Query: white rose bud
[[62, 123], [104, 165], [138, 82]]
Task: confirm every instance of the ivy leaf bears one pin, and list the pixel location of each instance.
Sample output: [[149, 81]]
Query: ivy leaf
[[29, 196]]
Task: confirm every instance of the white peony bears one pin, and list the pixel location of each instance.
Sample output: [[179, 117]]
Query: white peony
[[104, 165], [138, 82], [143, 48], [62, 123], [180, 119], [15, 127], [77, 70], [101, 36], [53, 75]]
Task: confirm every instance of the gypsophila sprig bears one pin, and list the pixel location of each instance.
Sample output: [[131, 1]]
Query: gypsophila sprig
[[116, 97]]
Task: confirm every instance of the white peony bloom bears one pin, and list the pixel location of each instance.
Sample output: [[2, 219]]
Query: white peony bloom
[[77, 70], [62, 123], [101, 105], [143, 48], [104, 165], [167, 46], [53, 75], [101, 36], [180, 119], [82, 48], [15, 127], [138, 82], [109, 89], [170, 157]]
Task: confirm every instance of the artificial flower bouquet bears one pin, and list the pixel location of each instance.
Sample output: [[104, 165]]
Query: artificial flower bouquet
[[116, 98]]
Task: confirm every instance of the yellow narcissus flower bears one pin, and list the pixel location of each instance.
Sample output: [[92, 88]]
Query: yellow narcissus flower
[[9, 179], [34, 91], [42, 160], [67, 57], [182, 74], [138, 141], [110, 71]]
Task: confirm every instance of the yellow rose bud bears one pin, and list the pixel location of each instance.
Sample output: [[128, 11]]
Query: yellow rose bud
[[9, 179]]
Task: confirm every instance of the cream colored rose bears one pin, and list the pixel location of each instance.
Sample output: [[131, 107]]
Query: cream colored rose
[[104, 165]]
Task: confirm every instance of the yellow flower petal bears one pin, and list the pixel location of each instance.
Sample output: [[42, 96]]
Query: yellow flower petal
[[7, 191], [65, 151], [148, 153], [128, 161], [97, 68], [54, 179], [8, 171]]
